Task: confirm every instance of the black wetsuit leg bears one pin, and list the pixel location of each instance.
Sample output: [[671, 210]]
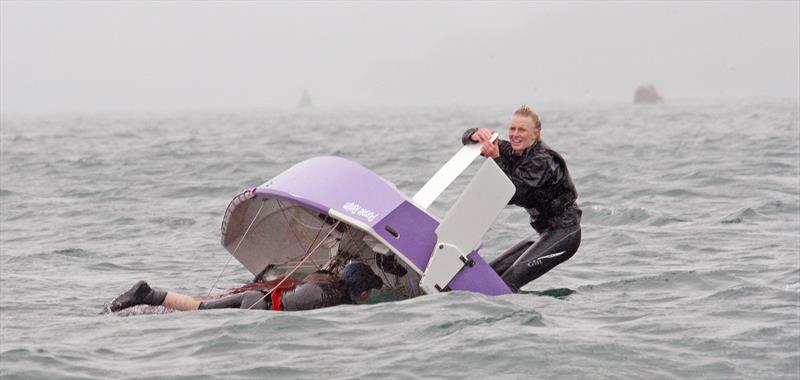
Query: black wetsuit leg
[[504, 261], [255, 300], [553, 247], [241, 301]]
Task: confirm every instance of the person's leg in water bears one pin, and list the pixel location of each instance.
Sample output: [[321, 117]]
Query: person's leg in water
[[251, 299], [139, 294], [553, 247], [504, 261], [142, 294]]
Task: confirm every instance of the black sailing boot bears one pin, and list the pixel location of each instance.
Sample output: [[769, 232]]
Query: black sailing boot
[[139, 294]]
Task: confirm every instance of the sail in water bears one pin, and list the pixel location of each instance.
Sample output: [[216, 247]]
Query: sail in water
[[305, 100]]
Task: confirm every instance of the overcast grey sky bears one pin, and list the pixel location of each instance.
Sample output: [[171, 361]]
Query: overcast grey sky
[[96, 56]]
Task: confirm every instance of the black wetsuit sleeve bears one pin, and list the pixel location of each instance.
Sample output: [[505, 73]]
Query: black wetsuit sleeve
[[530, 172], [467, 134], [309, 296], [251, 299], [504, 160]]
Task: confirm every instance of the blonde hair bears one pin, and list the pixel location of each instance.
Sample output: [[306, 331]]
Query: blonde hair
[[524, 110]]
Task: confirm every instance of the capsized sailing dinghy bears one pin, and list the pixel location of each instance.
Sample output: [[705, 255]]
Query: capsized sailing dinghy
[[324, 211]]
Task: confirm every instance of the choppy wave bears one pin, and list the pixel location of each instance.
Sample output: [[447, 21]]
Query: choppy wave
[[689, 264], [742, 215]]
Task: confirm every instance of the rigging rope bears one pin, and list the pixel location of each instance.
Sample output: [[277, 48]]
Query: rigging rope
[[308, 254], [235, 249], [291, 227], [350, 238]]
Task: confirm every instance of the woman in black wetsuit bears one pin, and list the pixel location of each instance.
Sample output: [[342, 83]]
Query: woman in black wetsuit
[[317, 290], [546, 191]]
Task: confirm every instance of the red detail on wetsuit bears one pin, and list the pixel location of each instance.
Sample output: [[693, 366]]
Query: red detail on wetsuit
[[277, 291], [277, 297]]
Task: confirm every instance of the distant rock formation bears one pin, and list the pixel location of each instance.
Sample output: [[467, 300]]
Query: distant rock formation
[[647, 95], [305, 100]]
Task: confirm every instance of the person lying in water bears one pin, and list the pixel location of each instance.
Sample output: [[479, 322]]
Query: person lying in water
[[317, 290]]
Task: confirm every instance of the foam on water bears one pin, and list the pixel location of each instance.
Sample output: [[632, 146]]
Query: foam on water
[[689, 267]]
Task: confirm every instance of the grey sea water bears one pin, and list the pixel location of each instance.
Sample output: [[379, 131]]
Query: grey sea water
[[689, 267]]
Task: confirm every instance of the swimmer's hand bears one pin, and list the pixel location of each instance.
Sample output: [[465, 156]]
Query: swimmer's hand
[[487, 139], [481, 135], [490, 149]]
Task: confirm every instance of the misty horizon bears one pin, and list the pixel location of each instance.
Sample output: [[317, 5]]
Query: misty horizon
[[88, 57]]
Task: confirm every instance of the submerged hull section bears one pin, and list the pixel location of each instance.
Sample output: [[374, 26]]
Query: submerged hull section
[[326, 210]]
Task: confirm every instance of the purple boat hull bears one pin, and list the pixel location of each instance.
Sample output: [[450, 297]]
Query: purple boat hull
[[360, 198]]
